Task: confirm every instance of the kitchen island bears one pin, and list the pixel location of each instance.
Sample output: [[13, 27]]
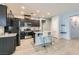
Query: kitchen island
[[43, 38], [7, 43]]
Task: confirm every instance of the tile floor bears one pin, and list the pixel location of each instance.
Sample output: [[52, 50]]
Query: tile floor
[[59, 47]]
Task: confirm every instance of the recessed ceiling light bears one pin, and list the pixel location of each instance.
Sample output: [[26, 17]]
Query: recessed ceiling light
[[43, 16], [48, 13], [34, 14], [23, 7], [37, 11], [22, 12]]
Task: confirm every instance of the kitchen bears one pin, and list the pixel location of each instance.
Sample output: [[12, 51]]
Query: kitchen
[[39, 28], [13, 29]]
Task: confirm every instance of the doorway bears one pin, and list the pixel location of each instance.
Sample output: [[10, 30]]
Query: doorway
[[74, 26]]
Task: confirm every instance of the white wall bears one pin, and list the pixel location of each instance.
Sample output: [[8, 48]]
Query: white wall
[[55, 26], [65, 18], [66, 28], [47, 25]]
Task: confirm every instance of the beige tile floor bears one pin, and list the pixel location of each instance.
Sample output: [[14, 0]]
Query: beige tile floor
[[59, 47]]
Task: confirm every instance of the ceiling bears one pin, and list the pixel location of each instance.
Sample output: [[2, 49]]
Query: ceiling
[[44, 9]]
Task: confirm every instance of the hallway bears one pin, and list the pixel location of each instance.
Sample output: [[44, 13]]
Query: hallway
[[60, 47]]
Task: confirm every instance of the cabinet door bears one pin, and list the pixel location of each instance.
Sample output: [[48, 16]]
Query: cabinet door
[[3, 15]]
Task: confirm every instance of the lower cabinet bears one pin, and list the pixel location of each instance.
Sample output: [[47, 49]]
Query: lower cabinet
[[7, 45]]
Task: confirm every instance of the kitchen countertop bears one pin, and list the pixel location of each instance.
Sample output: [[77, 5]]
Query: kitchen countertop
[[8, 35]]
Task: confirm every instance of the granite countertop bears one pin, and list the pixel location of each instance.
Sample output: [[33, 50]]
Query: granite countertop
[[8, 35]]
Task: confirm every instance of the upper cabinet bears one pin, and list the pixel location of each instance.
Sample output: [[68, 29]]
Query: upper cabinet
[[3, 15]]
